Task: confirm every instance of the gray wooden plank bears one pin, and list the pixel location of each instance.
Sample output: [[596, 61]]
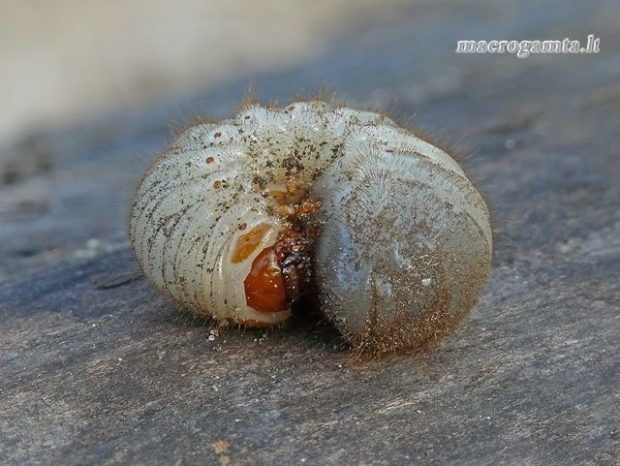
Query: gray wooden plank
[[95, 368]]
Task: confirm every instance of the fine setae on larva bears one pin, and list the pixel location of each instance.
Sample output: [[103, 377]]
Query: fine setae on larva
[[237, 220]]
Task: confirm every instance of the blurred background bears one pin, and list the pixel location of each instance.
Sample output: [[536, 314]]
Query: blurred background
[[91, 92], [65, 59]]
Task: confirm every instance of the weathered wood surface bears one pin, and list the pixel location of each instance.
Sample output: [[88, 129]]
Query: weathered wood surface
[[95, 368]]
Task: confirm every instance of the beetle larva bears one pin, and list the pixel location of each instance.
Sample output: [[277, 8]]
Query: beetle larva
[[239, 219]]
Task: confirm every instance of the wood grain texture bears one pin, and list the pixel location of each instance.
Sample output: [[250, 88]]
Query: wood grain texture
[[97, 369]]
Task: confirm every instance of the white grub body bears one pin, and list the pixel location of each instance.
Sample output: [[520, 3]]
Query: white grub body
[[404, 242]]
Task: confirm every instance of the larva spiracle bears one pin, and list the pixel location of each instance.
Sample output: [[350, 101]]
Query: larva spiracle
[[238, 219]]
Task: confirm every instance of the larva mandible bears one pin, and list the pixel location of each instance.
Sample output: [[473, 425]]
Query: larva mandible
[[238, 219]]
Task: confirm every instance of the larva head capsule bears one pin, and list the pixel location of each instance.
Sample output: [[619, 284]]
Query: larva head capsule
[[238, 219], [250, 279], [274, 276]]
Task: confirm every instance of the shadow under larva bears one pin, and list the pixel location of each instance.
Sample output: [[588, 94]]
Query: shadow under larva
[[240, 219]]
